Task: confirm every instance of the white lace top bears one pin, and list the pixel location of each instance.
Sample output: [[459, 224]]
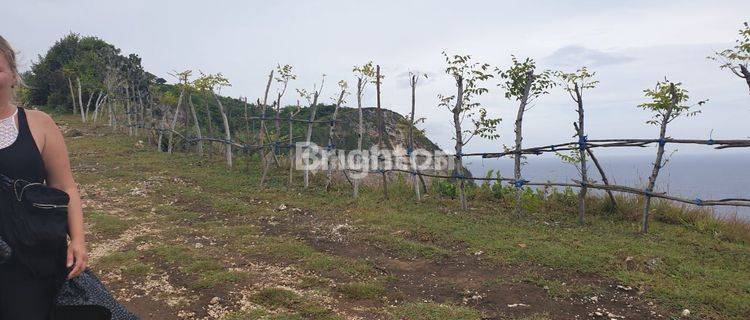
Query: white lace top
[[8, 130]]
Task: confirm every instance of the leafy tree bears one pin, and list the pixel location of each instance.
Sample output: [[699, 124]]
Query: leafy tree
[[668, 102], [574, 84], [736, 59], [523, 85], [469, 78]]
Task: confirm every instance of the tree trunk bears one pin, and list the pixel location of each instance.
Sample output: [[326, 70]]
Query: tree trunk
[[88, 104], [412, 159], [313, 110], [745, 74], [582, 153], [519, 139], [174, 121], [659, 156], [381, 127], [72, 94], [331, 129], [291, 150], [128, 112], [197, 125], [210, 130], [80, 94], [161, 131], [227, 134], [360, 131], [458, 168]]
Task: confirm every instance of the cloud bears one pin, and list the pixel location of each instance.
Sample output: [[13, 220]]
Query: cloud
[[577, 56]]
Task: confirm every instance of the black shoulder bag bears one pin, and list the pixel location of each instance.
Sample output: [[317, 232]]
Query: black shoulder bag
[[45, 218]]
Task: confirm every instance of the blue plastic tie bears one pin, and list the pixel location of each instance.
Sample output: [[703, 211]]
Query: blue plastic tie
[[520, 183], [582, 142], [710, 141], [698, 201], [552, 148], [409, 151], [662, 142], [329, 147]]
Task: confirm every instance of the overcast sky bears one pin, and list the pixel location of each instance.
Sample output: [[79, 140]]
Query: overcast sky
[[630, 44]]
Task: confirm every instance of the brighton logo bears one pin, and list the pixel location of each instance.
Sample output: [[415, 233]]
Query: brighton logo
[[360, 163]]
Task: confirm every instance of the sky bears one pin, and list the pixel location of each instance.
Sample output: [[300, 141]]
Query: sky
[[629, 44]]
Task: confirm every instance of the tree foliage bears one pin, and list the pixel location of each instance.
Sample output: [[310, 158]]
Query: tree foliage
[[473, 75], [662, 99], [88, 59], [516, 76], [738, 56]]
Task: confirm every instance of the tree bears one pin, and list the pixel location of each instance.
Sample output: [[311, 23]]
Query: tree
[[469, 78], [737, 58], [364, 74], [574, 84], [413, 80], [521, 84], [284, 76], [332, 126], [668, 102], [212, 83], [312, 98], [183, 84]]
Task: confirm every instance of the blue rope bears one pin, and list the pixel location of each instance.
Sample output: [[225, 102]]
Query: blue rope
[[582, 142], [520, 183]]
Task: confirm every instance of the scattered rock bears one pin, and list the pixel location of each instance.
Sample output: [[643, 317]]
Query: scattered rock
[[515, 305], [215, 300], [686, 313], [624, 288], [282, 207], [653, 264]]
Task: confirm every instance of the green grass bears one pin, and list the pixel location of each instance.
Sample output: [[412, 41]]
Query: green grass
[[702, 264], [108, 225], [432, 311], [362, 290]]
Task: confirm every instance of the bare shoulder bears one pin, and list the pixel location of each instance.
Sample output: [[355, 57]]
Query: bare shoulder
[[40, 119]]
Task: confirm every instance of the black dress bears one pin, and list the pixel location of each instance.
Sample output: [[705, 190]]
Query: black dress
[[31, 279]]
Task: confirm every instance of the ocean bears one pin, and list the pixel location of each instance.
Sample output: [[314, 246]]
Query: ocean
[[706, 176]]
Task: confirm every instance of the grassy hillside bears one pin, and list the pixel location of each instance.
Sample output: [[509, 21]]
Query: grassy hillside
[[180, 237]]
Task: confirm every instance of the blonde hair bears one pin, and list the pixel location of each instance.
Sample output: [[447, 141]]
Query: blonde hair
[[10, 55]]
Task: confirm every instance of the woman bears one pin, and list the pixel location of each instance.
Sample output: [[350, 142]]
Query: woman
[[32, 148]]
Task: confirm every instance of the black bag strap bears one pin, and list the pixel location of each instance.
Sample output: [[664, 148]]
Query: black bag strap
[[10, 184]]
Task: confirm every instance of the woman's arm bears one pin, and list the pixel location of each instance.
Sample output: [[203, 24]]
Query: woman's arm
[[59, 175]]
